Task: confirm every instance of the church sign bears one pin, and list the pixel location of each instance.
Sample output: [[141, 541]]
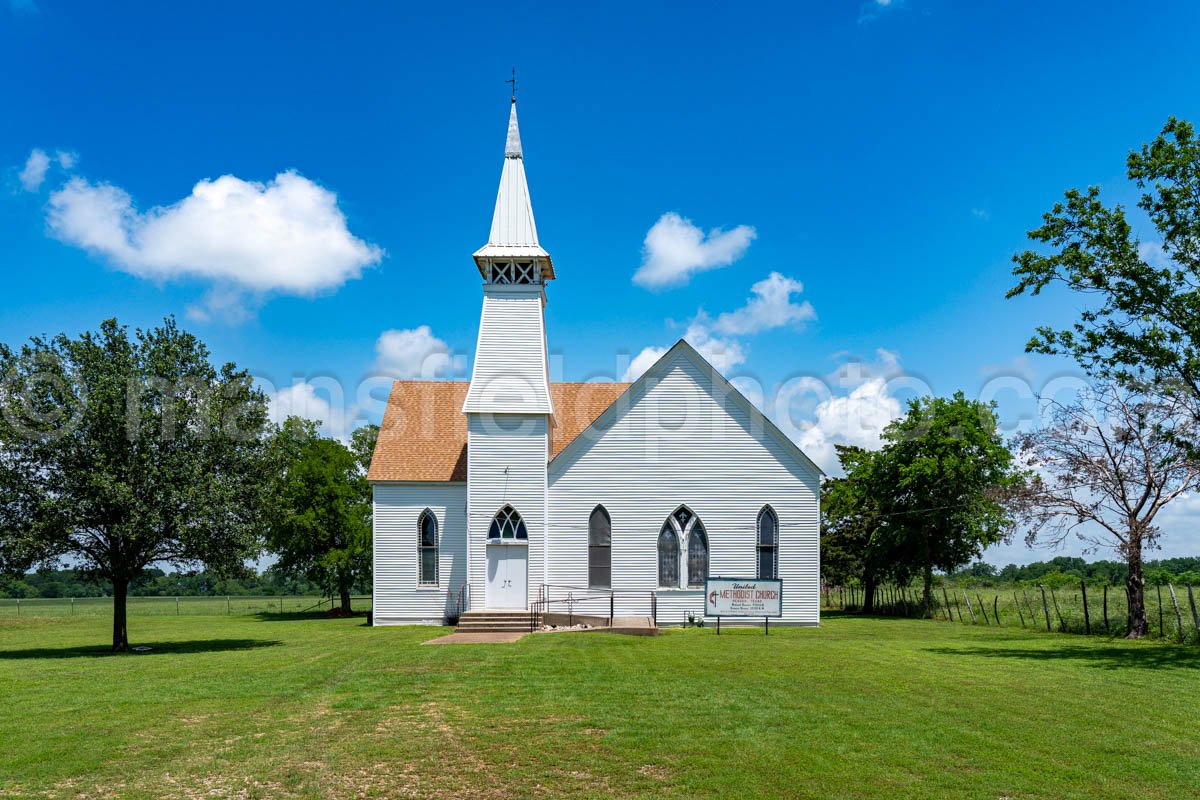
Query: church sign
[[743, 597]]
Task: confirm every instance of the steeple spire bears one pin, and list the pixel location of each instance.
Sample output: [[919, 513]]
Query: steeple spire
[[512, 254]]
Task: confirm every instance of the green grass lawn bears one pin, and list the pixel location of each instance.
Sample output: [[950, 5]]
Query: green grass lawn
[[262, 707]]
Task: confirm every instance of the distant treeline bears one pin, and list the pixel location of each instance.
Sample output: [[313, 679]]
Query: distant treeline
[[1066, 570], [156, 583]]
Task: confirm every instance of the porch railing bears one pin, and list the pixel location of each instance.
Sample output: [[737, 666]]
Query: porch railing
[[583, 601]]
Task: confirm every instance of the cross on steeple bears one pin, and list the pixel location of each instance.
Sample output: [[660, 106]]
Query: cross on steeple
[[513, 81]]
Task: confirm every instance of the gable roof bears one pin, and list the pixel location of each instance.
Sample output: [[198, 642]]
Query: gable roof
[[423, 437], [727, 388]]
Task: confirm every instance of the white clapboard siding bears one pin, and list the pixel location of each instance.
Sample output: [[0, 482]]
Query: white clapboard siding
[[506, 465], [683, 439], [398, 599], [510, 374]]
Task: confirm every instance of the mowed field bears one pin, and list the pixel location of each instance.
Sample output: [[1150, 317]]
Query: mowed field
[[302, 707]]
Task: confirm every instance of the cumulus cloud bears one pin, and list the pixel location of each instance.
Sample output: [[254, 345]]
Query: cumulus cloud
[[34, 172], [288, 235], [414, 353], [770, 306], [857, 418], [675, 248], [300, 400]]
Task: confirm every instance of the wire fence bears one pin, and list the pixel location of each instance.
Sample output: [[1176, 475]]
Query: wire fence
[[232, 605], [1095, 610]]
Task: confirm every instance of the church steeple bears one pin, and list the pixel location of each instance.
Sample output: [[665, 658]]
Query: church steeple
[[511, 374], [512, 254]]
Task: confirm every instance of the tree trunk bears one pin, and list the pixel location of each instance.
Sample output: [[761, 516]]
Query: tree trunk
[[120, 640], [344, 595], [868, 603], [1135, 585], [927, 596]]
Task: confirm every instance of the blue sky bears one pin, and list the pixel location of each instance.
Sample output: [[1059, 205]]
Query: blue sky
[[887, 157]]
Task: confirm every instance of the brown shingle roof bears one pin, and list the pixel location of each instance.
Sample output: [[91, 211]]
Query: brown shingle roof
[[424, 432]]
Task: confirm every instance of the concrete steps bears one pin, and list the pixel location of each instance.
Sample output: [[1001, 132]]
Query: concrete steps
[[493, 622]]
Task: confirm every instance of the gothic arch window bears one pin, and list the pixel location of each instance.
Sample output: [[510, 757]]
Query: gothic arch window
[[768, 543], [600, 549], [507, 524], [427, 549], [697, 562], [682, 526], [668, 557]]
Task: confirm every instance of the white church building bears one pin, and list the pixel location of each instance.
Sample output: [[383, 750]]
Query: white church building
[[494, 493]]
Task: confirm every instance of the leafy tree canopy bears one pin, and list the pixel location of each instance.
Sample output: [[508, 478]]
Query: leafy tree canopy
[[118, 452]]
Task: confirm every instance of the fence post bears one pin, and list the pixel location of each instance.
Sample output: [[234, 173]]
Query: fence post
[[228, 607], [1062, 626], [967, 600], [177, 605], [1192, 603], [1045, 606], [1178, 616], [949, 611], [996, 609], [1020, 613], [72, 606], [982, 609], [1106, 628], [18, 606], [1161, 630], [1029, 608], [1087, 620]]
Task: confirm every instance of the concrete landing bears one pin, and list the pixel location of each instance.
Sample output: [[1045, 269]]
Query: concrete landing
[[481, 637], [629, 626]]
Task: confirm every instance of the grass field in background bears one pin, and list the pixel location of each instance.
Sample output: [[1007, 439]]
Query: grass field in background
[[304, 707], [1058, 609]]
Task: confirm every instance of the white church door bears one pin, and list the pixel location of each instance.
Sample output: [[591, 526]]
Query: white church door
[[507, 576]]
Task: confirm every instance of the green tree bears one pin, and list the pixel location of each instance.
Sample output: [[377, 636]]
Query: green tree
[[120, 452], [321, 527], [1145, 324], [940, 478], [849, 521]]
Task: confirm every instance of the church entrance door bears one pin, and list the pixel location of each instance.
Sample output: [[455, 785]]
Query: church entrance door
[[507, 576]]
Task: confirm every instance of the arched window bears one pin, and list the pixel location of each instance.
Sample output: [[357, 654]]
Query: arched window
[[599, 549], [697, 556], [682, 525], [507, 524], [668, 557], [427, 549], [768, 544]]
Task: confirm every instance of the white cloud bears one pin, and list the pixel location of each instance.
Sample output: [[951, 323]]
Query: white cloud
[[414, 353], [675, 248], [287, 236], [854, 419], [34, 173], [770, 306], [981, 213], [299, 400]]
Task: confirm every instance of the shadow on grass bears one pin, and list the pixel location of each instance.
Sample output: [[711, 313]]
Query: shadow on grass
[[156, 648], [1101, 656], [298, 616]]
